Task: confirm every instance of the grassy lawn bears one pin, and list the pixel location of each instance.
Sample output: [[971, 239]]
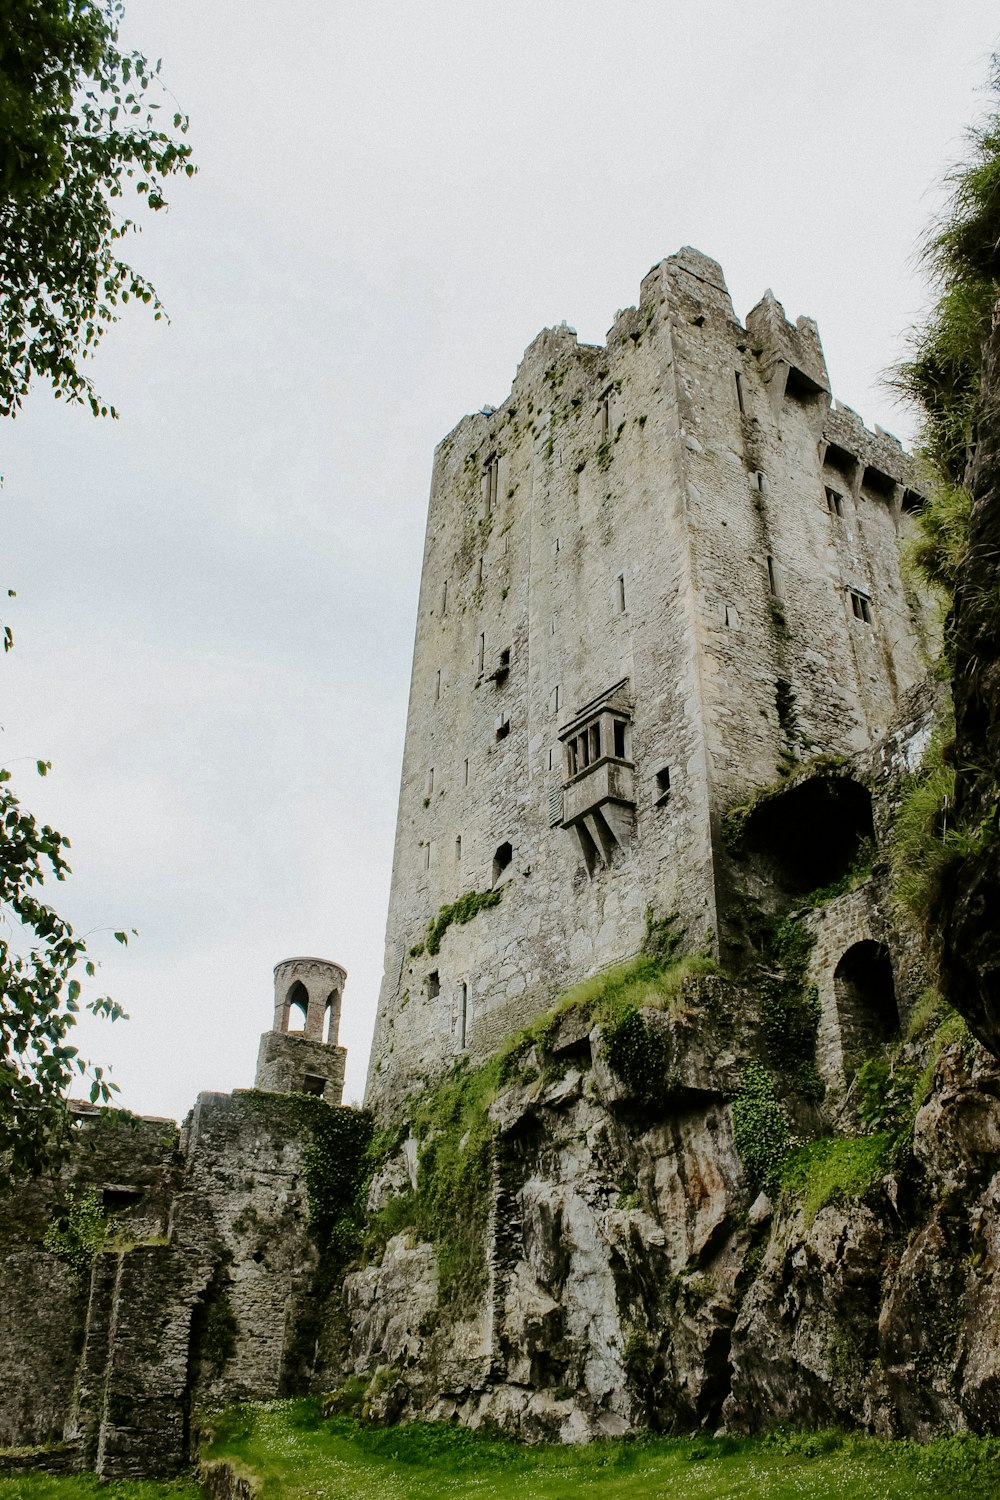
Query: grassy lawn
[[292, 1453], [297, 1455], [86, 1487]]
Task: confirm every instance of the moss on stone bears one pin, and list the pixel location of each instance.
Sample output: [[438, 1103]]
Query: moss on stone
[[461, 911]]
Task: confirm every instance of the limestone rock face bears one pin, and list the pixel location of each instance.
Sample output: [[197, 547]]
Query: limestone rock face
[[636, 1280], [387, 1304]]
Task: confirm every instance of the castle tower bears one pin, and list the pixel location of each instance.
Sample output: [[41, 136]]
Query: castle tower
[[662, 571], [307, 1059]]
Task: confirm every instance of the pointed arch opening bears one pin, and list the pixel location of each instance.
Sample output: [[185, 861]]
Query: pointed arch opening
[[296, 1007]]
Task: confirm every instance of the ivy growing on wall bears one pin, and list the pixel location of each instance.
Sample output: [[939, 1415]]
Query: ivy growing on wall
[[760, 1129], [639, 1056], [789, 1005], [336, 1167], [78, 1234]]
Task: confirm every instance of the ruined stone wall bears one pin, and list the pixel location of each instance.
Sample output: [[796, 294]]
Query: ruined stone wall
[[43, 1307], [630, 515], [202, 1289]]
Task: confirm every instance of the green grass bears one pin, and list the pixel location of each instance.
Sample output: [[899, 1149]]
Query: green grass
[[88, 1487], [836, 1167], [644, 983], [295, 1454]]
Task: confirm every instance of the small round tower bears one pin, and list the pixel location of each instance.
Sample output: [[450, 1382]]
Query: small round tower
[[301, 1053]]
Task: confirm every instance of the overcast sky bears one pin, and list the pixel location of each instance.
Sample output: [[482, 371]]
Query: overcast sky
[[216, 594]]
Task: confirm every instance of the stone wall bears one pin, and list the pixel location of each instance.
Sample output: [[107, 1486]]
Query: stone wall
[[677, 526], [202, 1290]]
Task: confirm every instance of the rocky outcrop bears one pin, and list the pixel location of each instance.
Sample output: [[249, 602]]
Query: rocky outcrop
[[637, 1281]]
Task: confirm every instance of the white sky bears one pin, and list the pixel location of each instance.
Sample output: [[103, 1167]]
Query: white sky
[[216, 594]]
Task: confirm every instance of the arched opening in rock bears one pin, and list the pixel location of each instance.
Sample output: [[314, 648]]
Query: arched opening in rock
[[866, 1002], [811, 835], [296, 1007]]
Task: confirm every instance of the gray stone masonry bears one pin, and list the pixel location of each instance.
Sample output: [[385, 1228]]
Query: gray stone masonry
[[660, 572]]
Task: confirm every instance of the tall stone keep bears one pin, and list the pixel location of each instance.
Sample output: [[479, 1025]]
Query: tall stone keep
[[663, 571], [308, 992]]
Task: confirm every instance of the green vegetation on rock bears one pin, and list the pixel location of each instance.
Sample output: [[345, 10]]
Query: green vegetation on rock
[[89, 1487], [461, 911], [836, 1167], [78, 1234], [337, 1165], [451, 1122], [928, 838], [760, 1129]]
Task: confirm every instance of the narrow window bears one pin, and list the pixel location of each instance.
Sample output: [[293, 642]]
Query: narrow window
[[503, 727], [458, 848], [433, 985], [463, 1013], [465, 774], [739, 392], [552, 626], [834, 502], [430, 782], [605, 416], [558, 547], [502, 861], [619, 733], [662, 786], [427, 856], [621, 593], [732, 617], [490, 478], [571, 758], [482, 654], [479, 578], [761, 479], [772, 576], [505, 659], [861, 605], [552, 758], [555, 699], [437, 686], [584, 743], [595, 741]]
